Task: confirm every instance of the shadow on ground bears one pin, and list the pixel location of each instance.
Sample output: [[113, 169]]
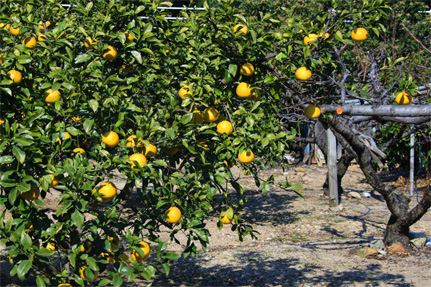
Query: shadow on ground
[[254, 270]]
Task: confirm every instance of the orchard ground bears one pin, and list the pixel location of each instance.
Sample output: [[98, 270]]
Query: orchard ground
[[301, 242]]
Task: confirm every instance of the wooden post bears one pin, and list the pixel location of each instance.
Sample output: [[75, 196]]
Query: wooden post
[[332, 168], [412, 163]]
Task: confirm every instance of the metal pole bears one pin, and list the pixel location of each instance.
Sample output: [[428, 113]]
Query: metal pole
[[332, 168]]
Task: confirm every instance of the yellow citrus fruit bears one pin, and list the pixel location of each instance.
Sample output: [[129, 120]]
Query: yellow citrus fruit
[[108, 257], [88, 43], [111, 139], [32, 194], [150, 150], [173, 214], [77, 119], [240, 28], [129, 36], [183, 92], [197, 117], [403, 98], [126, 68], [138, 157], [55, 180], [52, 97], [224, 127], [131, 141], [41, 38], [124, 258], [107, 190], [255, 96], [82, 274], [15, 76], [247, 69], [310, 38], [165, 57], [1, 121], [243, 90], [312, 112], [66, 137], [229, 165], [64, 285], [359, 35], [144, 247], [225, 220], [14, 31], [50, 246], [246, 156], [326, 35], [1, 58], [29, 42], [86, 247], [211, 115], [171, 150], [41, 28], [303, 74], [29, 226], [79, 150], [114, 240], [110, 53]]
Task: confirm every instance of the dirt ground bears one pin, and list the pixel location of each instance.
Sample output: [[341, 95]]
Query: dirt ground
[[301, 242]]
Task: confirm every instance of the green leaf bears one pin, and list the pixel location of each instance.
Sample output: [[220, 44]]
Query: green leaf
[[171, 255], [233, 69], [186, 118], [265, 187], [104, 282], [6, 159], [94, 105], [82, 58], [88, 124], [24, 267], [166, 268], [91, 262], [24, 59], [40, 282], [117, 280], [45, 252], [137, 56], [19, 154], [25, 240], [77, 218]]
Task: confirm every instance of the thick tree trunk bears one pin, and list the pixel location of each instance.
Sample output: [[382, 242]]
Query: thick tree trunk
[[401, 218]]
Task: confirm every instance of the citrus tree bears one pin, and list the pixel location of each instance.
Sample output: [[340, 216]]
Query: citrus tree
[[118, 125]]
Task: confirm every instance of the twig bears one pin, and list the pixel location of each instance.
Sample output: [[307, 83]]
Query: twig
[[416, 39]]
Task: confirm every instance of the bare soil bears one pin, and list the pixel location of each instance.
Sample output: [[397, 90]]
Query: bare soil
[[301, 242]]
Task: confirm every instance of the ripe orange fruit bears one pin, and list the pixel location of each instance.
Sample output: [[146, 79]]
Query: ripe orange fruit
[[211, 114], [41, 38], [111, 139], [165, 57], [64, 285], [247, 69], [114, 240], [303, 74], [173, 214], [326, 35], [171, 150], [79, 150], [243, 90], [359, 35], [1, 58], [29, 42], [131, 141], [110, 54], [403, 98], [240, 28], [82, 274], [183, 92], [55, 180], [310, 38], [225, 220], [86, 247], [139, 157], [32, 194], [144, 247], [126, 68], [150, 150], [255, 96], [88, 43], [50, 246], [246, 156], [14, 31], [41, 28], [197, 117], [108, 257], [107, 190], [312, 112], [52, 97], [224, 127], [66, 137], [229, 164], [129, 36], [15, 76]]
